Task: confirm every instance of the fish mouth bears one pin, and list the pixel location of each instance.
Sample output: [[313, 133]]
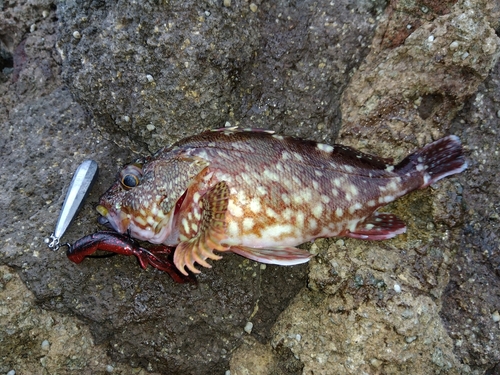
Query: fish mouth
[[115, 220]]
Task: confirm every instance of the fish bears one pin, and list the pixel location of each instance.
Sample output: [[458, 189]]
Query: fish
[[260, 194]]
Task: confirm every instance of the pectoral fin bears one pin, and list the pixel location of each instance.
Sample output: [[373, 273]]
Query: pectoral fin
[[212, 230], [379, 226], [283, 256]]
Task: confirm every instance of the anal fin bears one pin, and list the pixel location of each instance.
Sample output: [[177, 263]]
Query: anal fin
[[379, 226], [283, 256], [212, 230]]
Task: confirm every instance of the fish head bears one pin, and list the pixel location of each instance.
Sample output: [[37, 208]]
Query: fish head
[[135, 203]]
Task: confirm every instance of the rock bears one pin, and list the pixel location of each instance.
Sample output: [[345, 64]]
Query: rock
[[156, 73], [26, 331], [153, 74], [410, 92]]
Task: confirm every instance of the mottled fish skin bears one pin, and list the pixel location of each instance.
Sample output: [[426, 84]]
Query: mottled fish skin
[[260, 194]]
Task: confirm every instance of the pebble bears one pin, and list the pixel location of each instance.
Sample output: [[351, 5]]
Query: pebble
[[496, 316], [227, 3], [11, 372], [150, 78], [109, 368], [45, 345], [253, 7], [397, 288], [77, 35], [410, 339], [248, 327]]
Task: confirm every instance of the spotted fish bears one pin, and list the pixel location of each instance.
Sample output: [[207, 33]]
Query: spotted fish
[[260, 194]]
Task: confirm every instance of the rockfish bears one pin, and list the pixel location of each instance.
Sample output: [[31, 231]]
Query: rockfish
[[259, 194]]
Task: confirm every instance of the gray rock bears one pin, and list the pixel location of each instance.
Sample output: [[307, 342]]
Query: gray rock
[[145, 75], [155, 72]]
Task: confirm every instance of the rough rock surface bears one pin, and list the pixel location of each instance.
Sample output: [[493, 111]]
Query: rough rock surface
[[147, 74], [151, 72]]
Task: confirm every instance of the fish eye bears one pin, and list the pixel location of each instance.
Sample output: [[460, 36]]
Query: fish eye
[[130, 176], [129, 181]]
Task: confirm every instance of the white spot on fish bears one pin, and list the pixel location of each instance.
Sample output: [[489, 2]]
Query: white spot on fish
[[325, 198], [315, 185], [248, 224], [276, 231], [299, 219], [388, 198], [271, 175], [298, 156], [285, 198], [196, 197], [271, 213], [353, 189], [234, 210], [336, 182], [325, 148], [354, 208], [371, 203], [348, 168], [318, 173], [339, 212], [392, 186], [185, 225], [307, 195], [255, 205], [279, 137], [317, 211], [389, 168], [287, 214], [352, 224], [233, 229], [261, 190], [313, 224], [195, 227]]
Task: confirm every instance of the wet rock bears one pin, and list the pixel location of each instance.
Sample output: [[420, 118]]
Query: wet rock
[[36, 341], [152, 72], [410, 92], [471, 298], [380, 307]]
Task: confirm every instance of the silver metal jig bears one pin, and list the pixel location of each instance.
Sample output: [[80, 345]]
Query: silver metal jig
[[81, 183]]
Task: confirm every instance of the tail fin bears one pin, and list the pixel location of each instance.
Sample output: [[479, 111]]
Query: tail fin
[[437, 160]]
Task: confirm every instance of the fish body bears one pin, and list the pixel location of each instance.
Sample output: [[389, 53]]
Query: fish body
[[259, 194]]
